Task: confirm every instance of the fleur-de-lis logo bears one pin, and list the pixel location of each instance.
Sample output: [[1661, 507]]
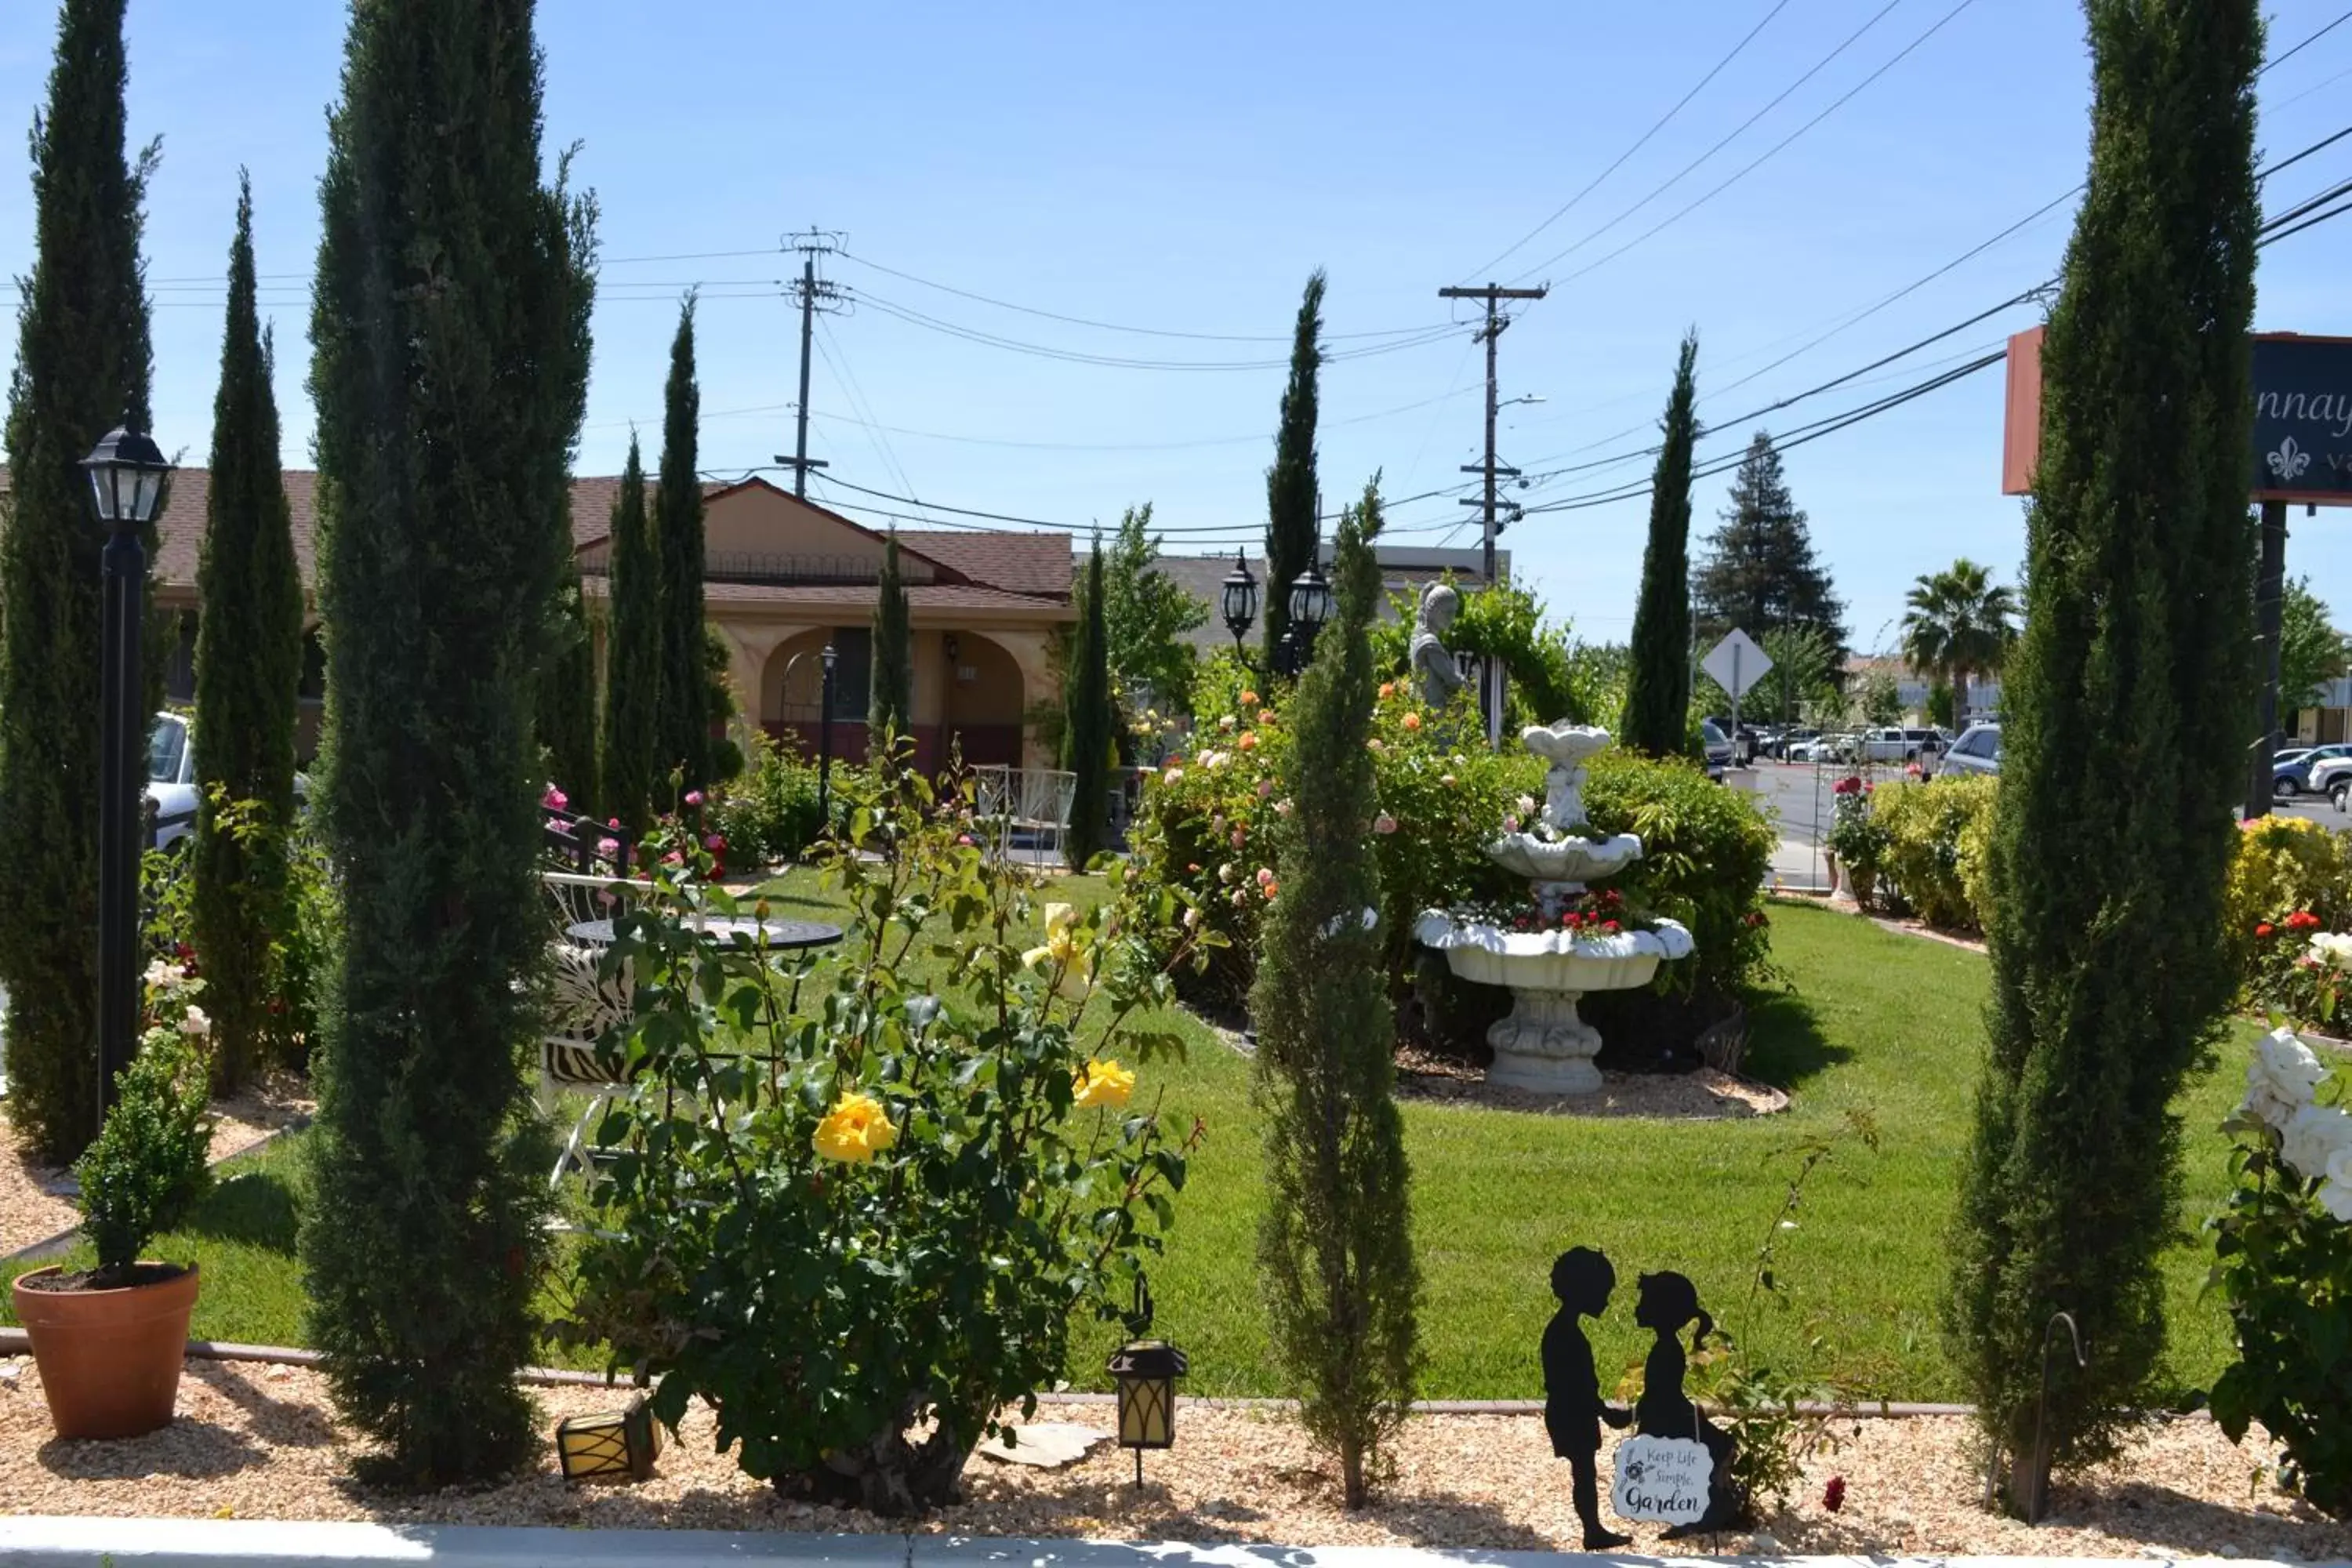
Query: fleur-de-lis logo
[[2289, 462]]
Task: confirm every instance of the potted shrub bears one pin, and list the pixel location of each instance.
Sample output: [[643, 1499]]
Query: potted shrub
[[109, 1339]]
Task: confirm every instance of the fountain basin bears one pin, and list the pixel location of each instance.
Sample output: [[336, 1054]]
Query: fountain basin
[[1566, 859], [1543, 1047]]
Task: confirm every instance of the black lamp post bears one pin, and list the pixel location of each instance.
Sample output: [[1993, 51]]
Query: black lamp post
[[1311, 606], [126, 480], [1241, 602], [824, 744]]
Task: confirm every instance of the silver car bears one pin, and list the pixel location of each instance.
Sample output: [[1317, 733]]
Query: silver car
[[172, 781], [1977, 750]]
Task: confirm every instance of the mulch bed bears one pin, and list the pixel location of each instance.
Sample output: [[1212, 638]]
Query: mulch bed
[[254, 1441], [1705, 1095]]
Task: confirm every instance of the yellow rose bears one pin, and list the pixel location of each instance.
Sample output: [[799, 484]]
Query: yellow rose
[[857, 1130], [1102, 1083], [1061, 939]]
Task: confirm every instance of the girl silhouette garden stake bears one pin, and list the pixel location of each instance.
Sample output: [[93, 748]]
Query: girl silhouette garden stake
[[1676, 1469], [1573, 1408]]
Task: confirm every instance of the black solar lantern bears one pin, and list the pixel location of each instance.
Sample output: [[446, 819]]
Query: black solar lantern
[[608, 1447], [1239, 599], [1145, 1371]]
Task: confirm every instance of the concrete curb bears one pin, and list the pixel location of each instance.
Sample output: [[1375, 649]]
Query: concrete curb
[[73, 1543]]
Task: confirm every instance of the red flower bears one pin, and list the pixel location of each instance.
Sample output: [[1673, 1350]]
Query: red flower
[[1758, 918], [1850, 784], [2303, 920], [1610, 926], [1833, 1494], [2266, 928]]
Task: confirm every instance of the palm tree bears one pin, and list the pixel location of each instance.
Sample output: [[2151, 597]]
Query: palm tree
[[1959, 623]]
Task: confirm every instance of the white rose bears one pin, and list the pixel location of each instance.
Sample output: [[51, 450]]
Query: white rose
[[2335, 1195], [1227, 722], [2312, 1137], [164, 973], [194, 1023], [2333, 949], [2282, 1078]]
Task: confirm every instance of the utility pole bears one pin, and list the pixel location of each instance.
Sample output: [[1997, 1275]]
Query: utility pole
[[1493, 294], [813, 291]]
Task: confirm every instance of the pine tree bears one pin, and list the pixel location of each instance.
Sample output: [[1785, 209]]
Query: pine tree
[[684, 726], [1657, 699], [1335, 1244], [891, 695], [248, 665], [1759, 574], [1292, 527], [2109, 980], [83, 364], [1086, 719], [633, 668], [442, 320]]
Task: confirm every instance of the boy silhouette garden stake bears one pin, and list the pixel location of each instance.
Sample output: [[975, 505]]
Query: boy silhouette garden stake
[[1573, 1408]]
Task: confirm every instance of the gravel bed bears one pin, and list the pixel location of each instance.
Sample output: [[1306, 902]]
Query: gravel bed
[[258, 1442], [33, 1207]]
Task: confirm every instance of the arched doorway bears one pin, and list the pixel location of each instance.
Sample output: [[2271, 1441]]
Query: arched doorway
[[981, 702]]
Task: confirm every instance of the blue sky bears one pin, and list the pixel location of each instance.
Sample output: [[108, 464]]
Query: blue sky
[[1182, 168]]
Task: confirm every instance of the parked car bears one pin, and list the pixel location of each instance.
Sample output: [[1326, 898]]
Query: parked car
[[2291, 770], [1893, 743], [1827, 749], [1718, 749], [2324, 774], [1785, 740], [172, 781], [1977, 750]]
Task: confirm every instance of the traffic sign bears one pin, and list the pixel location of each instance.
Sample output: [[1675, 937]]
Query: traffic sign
[[1736, 663]]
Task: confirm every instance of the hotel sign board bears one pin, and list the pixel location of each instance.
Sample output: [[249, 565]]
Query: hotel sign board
[[2302, 448]]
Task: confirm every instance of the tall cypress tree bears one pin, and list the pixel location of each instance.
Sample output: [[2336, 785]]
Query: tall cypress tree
[[684, 725], [1657, 695], [248, 664], [442, 316], [1335, 1244], [891, 696], [1760, 574], [2135, 663], [567, 687], [633, 658], [1085, 718], [1291, 525], [83, 364]]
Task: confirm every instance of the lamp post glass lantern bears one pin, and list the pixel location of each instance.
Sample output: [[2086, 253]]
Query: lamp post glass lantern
[[1311, 606], [1239, 599], [126, 471]]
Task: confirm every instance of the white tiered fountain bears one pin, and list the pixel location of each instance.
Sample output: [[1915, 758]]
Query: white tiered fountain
[[1543, 1047]]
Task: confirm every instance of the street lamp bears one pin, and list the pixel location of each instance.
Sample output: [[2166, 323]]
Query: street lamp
[[1241, 600], [824, 744], [126, 482], [1311, 606]]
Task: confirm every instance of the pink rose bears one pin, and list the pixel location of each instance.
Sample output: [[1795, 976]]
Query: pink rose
[[1264, 788], [554, 799], [715, 843], [609, 849], [694, 798], [1384, 822]]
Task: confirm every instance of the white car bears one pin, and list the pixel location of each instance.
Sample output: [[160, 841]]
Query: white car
[[2331, 777], [172, 781]]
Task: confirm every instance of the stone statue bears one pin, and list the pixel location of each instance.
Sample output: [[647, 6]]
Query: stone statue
[[1433, 670], [1564, 748]]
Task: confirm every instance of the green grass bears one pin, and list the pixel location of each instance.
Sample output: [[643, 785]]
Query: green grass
[[1876, 1021]]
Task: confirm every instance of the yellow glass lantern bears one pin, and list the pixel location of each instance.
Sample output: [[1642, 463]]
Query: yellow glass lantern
[[1145, 1372], [610, 1445]]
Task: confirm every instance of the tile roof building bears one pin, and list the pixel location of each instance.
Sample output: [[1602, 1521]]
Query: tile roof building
[[783, 578]]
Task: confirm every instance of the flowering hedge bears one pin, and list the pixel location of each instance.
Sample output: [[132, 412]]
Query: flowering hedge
[[2282, 1268], [1937, 834], [1205, 819]]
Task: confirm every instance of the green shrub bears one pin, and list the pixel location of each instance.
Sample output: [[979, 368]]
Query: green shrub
[[1207, 816], [2289, 877], [861, 1231], [2282, 1268], [149, 1162], [768, 813], [1937, 835], [1705, 853]]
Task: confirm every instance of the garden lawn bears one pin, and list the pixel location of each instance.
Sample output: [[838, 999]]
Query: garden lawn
[[1874, 1023]]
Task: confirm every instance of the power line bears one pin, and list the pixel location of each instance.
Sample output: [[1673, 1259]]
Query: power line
[[1488, 265], [972, 334], [2282, 60], [836, 359], [1253, 436], [1737, 131], [1835, 104]]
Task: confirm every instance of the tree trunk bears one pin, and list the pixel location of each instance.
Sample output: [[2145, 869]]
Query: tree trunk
[[1354, 1492], [1959, 698], [886, 1475], [2028, 1483]]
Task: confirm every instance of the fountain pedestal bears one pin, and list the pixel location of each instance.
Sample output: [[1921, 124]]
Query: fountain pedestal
[[1543, 1047]]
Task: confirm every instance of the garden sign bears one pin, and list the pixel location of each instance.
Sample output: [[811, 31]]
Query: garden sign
[[1661, 1480]]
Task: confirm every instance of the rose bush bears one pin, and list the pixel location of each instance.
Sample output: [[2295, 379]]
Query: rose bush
[[2283, 1269], [856, 1217], [1203, 826]]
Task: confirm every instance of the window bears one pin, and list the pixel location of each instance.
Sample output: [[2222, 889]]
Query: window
[[167, 742], [1976, 745]]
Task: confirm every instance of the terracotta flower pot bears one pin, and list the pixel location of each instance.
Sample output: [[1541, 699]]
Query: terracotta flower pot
[[110, 1359]]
